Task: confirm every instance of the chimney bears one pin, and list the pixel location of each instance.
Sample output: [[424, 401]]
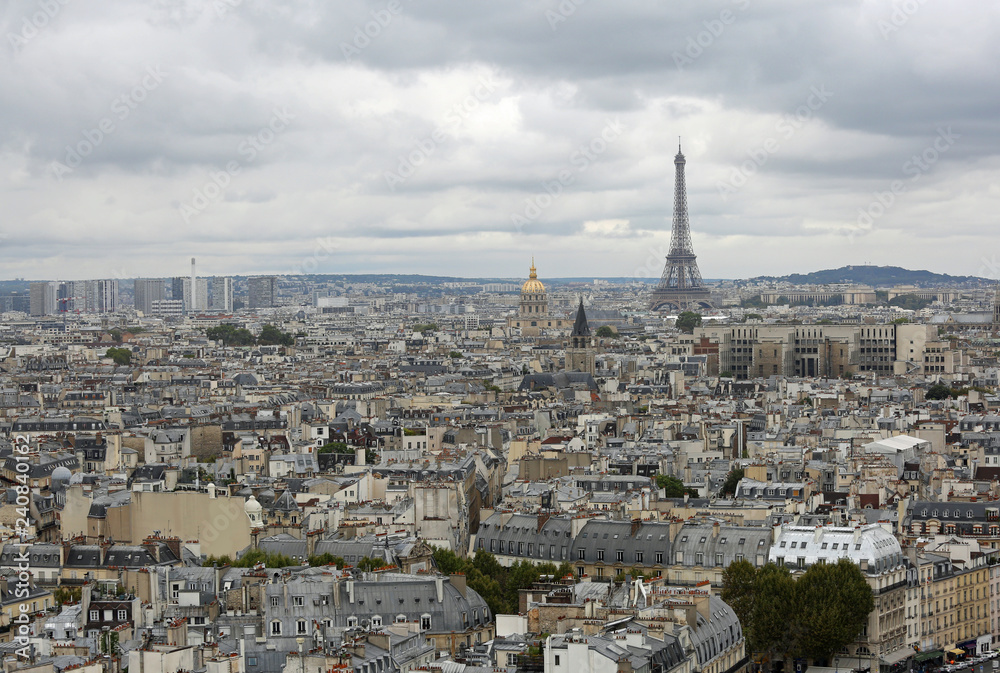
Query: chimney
[[635, 527], [715, 530], [350, 591], [439, 585], [542, 518], [174, 545], [458, 581]]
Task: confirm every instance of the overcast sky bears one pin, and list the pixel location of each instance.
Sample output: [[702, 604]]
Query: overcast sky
[[462, 137]]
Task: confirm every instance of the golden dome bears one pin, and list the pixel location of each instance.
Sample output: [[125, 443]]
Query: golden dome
[[533, 285]]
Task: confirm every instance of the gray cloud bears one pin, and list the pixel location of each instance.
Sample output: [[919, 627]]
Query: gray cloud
[[377, 89]]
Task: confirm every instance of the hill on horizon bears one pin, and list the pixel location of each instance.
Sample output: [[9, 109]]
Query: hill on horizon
[[876, 276]]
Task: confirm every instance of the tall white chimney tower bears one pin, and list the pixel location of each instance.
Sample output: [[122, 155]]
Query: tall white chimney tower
[[194, 291]]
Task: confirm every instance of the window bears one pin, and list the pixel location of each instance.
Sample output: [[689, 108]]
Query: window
[[251, 661], [298, 600], [638, 557], [718, 559], [425, 622], [600, 554], [95, 615], [620, 555], [352, 622], [300, 627], [122, 615], [557, 660], [699, 559], [377, 621], [275, 628], [659, 557], [782, 545], [580, 554]]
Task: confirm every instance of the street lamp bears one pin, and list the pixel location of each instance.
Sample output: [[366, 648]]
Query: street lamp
[[836, 664], [302, 662]]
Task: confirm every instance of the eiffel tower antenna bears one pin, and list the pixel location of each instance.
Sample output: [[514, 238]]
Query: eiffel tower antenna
[[680, 287]]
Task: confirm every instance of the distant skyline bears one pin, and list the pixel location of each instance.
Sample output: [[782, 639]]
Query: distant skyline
[[460, 139]]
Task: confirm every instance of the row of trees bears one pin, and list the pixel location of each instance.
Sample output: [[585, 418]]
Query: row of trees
[[276, 560], [813, 616], [499, 586], [231, 335]]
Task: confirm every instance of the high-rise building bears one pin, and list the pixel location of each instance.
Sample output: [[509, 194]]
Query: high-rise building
[[146, 291], [44, 297], [107, 296], [222, 294], [680, 287], [177, 287], [263, 292], [200, 294]]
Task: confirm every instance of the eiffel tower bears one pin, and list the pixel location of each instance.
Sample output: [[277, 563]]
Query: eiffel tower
[[681, 287]]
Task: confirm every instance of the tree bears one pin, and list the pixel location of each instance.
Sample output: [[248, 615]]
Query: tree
[[368, 564], [738, 589], [752, 316], [606, 332], [687, 321], [326, 559], [726, 375], [454, 355], [910, 301], [230, 335], [732, 479], [500, 587], [671, 485], [813, 617], [272, 336], [833, 602], [121, 356], [900, 321], [116, 335], [938, 391], [773, 603], [335, 447]]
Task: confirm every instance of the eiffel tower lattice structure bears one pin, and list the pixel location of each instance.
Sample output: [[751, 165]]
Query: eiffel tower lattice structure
[[680, 287]]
